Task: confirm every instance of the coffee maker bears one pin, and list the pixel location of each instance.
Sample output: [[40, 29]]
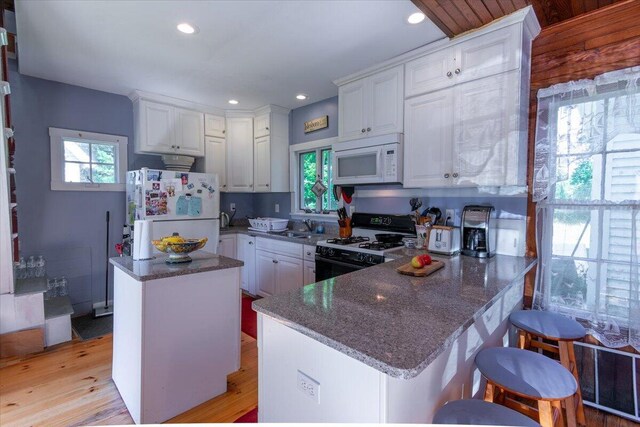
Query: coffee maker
[[478, 231]]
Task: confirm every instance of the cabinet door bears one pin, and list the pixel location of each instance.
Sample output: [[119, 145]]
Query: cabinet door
[[247, 254], [385, 104], [157, 128], [485, 148], [427, 140], [189, 127], [261, 125], [492, 53], [288, 273], [265, 273], [429, 73], [227, 246], [309, 272], [240, 154], [215, 159], [352, 110], [214, 126], [262, 164]]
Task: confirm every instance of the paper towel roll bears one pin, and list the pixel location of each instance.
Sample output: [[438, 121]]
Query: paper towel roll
[[142, 235]]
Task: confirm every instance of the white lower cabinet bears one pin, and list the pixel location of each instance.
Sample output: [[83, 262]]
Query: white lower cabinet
[[227, 245], [247, 254], [276, 273], [309, 272], [265, 273]]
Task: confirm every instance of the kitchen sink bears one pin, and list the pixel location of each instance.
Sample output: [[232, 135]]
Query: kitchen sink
[[295, 235]]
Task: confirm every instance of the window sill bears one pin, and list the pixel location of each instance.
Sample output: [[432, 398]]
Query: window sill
[[316, 216], [77, 186]]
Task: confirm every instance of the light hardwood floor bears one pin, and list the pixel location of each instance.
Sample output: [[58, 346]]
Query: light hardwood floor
[[71, 385]]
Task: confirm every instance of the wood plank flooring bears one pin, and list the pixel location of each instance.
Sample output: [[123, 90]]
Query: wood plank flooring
[[70, 385]]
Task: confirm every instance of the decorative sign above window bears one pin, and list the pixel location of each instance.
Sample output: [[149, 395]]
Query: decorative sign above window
[[316, 124]]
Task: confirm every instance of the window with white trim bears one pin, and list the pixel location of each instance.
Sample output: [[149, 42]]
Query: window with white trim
[[87, 161]]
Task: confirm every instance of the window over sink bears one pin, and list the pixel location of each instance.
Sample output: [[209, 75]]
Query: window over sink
[[87, 161]]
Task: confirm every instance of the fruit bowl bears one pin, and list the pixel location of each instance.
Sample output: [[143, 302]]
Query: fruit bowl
[[178, 248]]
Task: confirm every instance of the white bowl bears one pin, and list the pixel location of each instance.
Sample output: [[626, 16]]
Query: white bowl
[[177, 163]]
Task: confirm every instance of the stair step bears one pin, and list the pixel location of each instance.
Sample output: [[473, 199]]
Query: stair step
[[56, 307], [32, 285]]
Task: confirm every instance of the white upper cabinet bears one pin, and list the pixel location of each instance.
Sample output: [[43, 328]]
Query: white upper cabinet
[[261, 125], [487, 54], [189, 139], [262, 164], [372, 105], [165, 129], [240, 154], [214, 126], [215, 159]]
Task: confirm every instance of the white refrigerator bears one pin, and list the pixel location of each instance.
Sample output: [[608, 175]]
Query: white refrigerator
[[177, 202]]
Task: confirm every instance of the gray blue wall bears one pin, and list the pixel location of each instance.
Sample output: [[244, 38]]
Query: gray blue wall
[[297, 117], [67, 227]]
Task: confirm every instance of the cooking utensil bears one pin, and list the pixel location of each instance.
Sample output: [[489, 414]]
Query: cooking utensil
[[389, 238], [347, 194], [415, 203], [337, 192]]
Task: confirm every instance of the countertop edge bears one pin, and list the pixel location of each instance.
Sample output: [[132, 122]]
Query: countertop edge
[[395, 372], [230, 263]]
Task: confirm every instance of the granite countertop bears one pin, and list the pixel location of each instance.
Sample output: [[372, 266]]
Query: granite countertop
[[312, 240], [157, 268], [394, 323]]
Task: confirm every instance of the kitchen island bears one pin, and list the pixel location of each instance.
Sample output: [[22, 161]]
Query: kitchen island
[[377, 346], [176, 332]]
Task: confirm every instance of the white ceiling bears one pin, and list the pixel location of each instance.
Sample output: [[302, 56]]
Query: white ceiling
[[259, 52]]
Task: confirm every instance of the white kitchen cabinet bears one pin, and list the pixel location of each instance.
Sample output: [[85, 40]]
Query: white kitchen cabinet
[[227, 245], [214, 125], [309, 272], [189, 138], [261, 124], [166, 129], [239, 154], [247, 253], [215, 159], [265, 274], [279, 266], [372, 105], [486, 54], [288, 273], [262, 164], [469, 135]]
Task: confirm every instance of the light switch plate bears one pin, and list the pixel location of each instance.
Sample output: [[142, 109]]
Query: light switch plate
[[309, 386], [277, 207]]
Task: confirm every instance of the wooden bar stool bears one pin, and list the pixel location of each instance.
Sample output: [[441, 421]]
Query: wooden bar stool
[[534, 326], [514, 372], [479, 412]]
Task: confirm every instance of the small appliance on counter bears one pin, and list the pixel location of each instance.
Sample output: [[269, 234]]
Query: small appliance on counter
[[444, 240], [478, 231]]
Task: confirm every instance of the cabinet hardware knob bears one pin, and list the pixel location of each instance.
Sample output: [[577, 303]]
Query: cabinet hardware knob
[[178, 147], [455, 174], [457, 70], [251, 243], [313, 271], [363, 130], [449, 74], [368, 129], [275, 261], [225, 186], [266, 128], [224, 131], [267, 185], [446, 175], [219, 241], [308, 253]]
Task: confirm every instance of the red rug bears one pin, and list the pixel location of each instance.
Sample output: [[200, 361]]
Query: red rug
[[249, 324], [249, 417]]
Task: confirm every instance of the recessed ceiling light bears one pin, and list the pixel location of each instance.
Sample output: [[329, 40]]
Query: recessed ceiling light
[[301, 96], [187, 28], [416, 18], [233, 102]]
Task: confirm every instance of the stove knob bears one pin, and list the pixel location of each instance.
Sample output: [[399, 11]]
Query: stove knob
[[369, 259], [323, 250], [360, 257], [331, 252]]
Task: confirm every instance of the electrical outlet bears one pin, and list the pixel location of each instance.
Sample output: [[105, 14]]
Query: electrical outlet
[[450, 214], [232, 206], [309, 386], [277, 207]]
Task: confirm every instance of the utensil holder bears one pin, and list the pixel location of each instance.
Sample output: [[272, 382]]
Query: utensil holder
[[345, 228]]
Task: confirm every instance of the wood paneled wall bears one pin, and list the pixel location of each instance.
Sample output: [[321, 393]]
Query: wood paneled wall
[[603, 40]]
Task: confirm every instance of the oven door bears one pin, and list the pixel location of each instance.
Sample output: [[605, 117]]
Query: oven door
[[329, 268]]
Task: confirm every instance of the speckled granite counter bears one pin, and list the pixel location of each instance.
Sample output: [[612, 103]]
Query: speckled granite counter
[[311, 240], [157, 268], [397, 324]]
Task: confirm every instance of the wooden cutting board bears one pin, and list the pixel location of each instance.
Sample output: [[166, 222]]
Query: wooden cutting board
[[420, 272]]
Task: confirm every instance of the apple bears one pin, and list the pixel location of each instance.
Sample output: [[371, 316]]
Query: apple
[[417, 262], [426, 259]]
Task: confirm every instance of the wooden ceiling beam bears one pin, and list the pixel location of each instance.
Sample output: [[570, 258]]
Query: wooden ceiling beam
[[425, 7]]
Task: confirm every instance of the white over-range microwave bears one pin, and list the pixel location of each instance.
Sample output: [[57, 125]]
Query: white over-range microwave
[[374, 160]]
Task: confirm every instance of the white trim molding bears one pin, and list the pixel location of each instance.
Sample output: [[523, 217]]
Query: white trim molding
[[57, 136]]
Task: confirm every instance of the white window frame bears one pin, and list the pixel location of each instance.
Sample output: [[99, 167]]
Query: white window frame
[[57, 137], [294, 186]]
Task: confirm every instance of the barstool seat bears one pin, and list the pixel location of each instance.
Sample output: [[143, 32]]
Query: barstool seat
[[526, 373], [479, 412], [548, 325]]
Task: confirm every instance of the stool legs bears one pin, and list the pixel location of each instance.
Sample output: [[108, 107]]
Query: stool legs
[[574, 404], [545, 413]]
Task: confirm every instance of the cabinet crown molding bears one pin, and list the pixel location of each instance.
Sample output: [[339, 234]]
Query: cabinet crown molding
[[525, 16], [271, 109], [136, 95], [239, 114]]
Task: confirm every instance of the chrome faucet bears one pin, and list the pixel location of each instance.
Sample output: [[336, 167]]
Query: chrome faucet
[[309, 224]]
